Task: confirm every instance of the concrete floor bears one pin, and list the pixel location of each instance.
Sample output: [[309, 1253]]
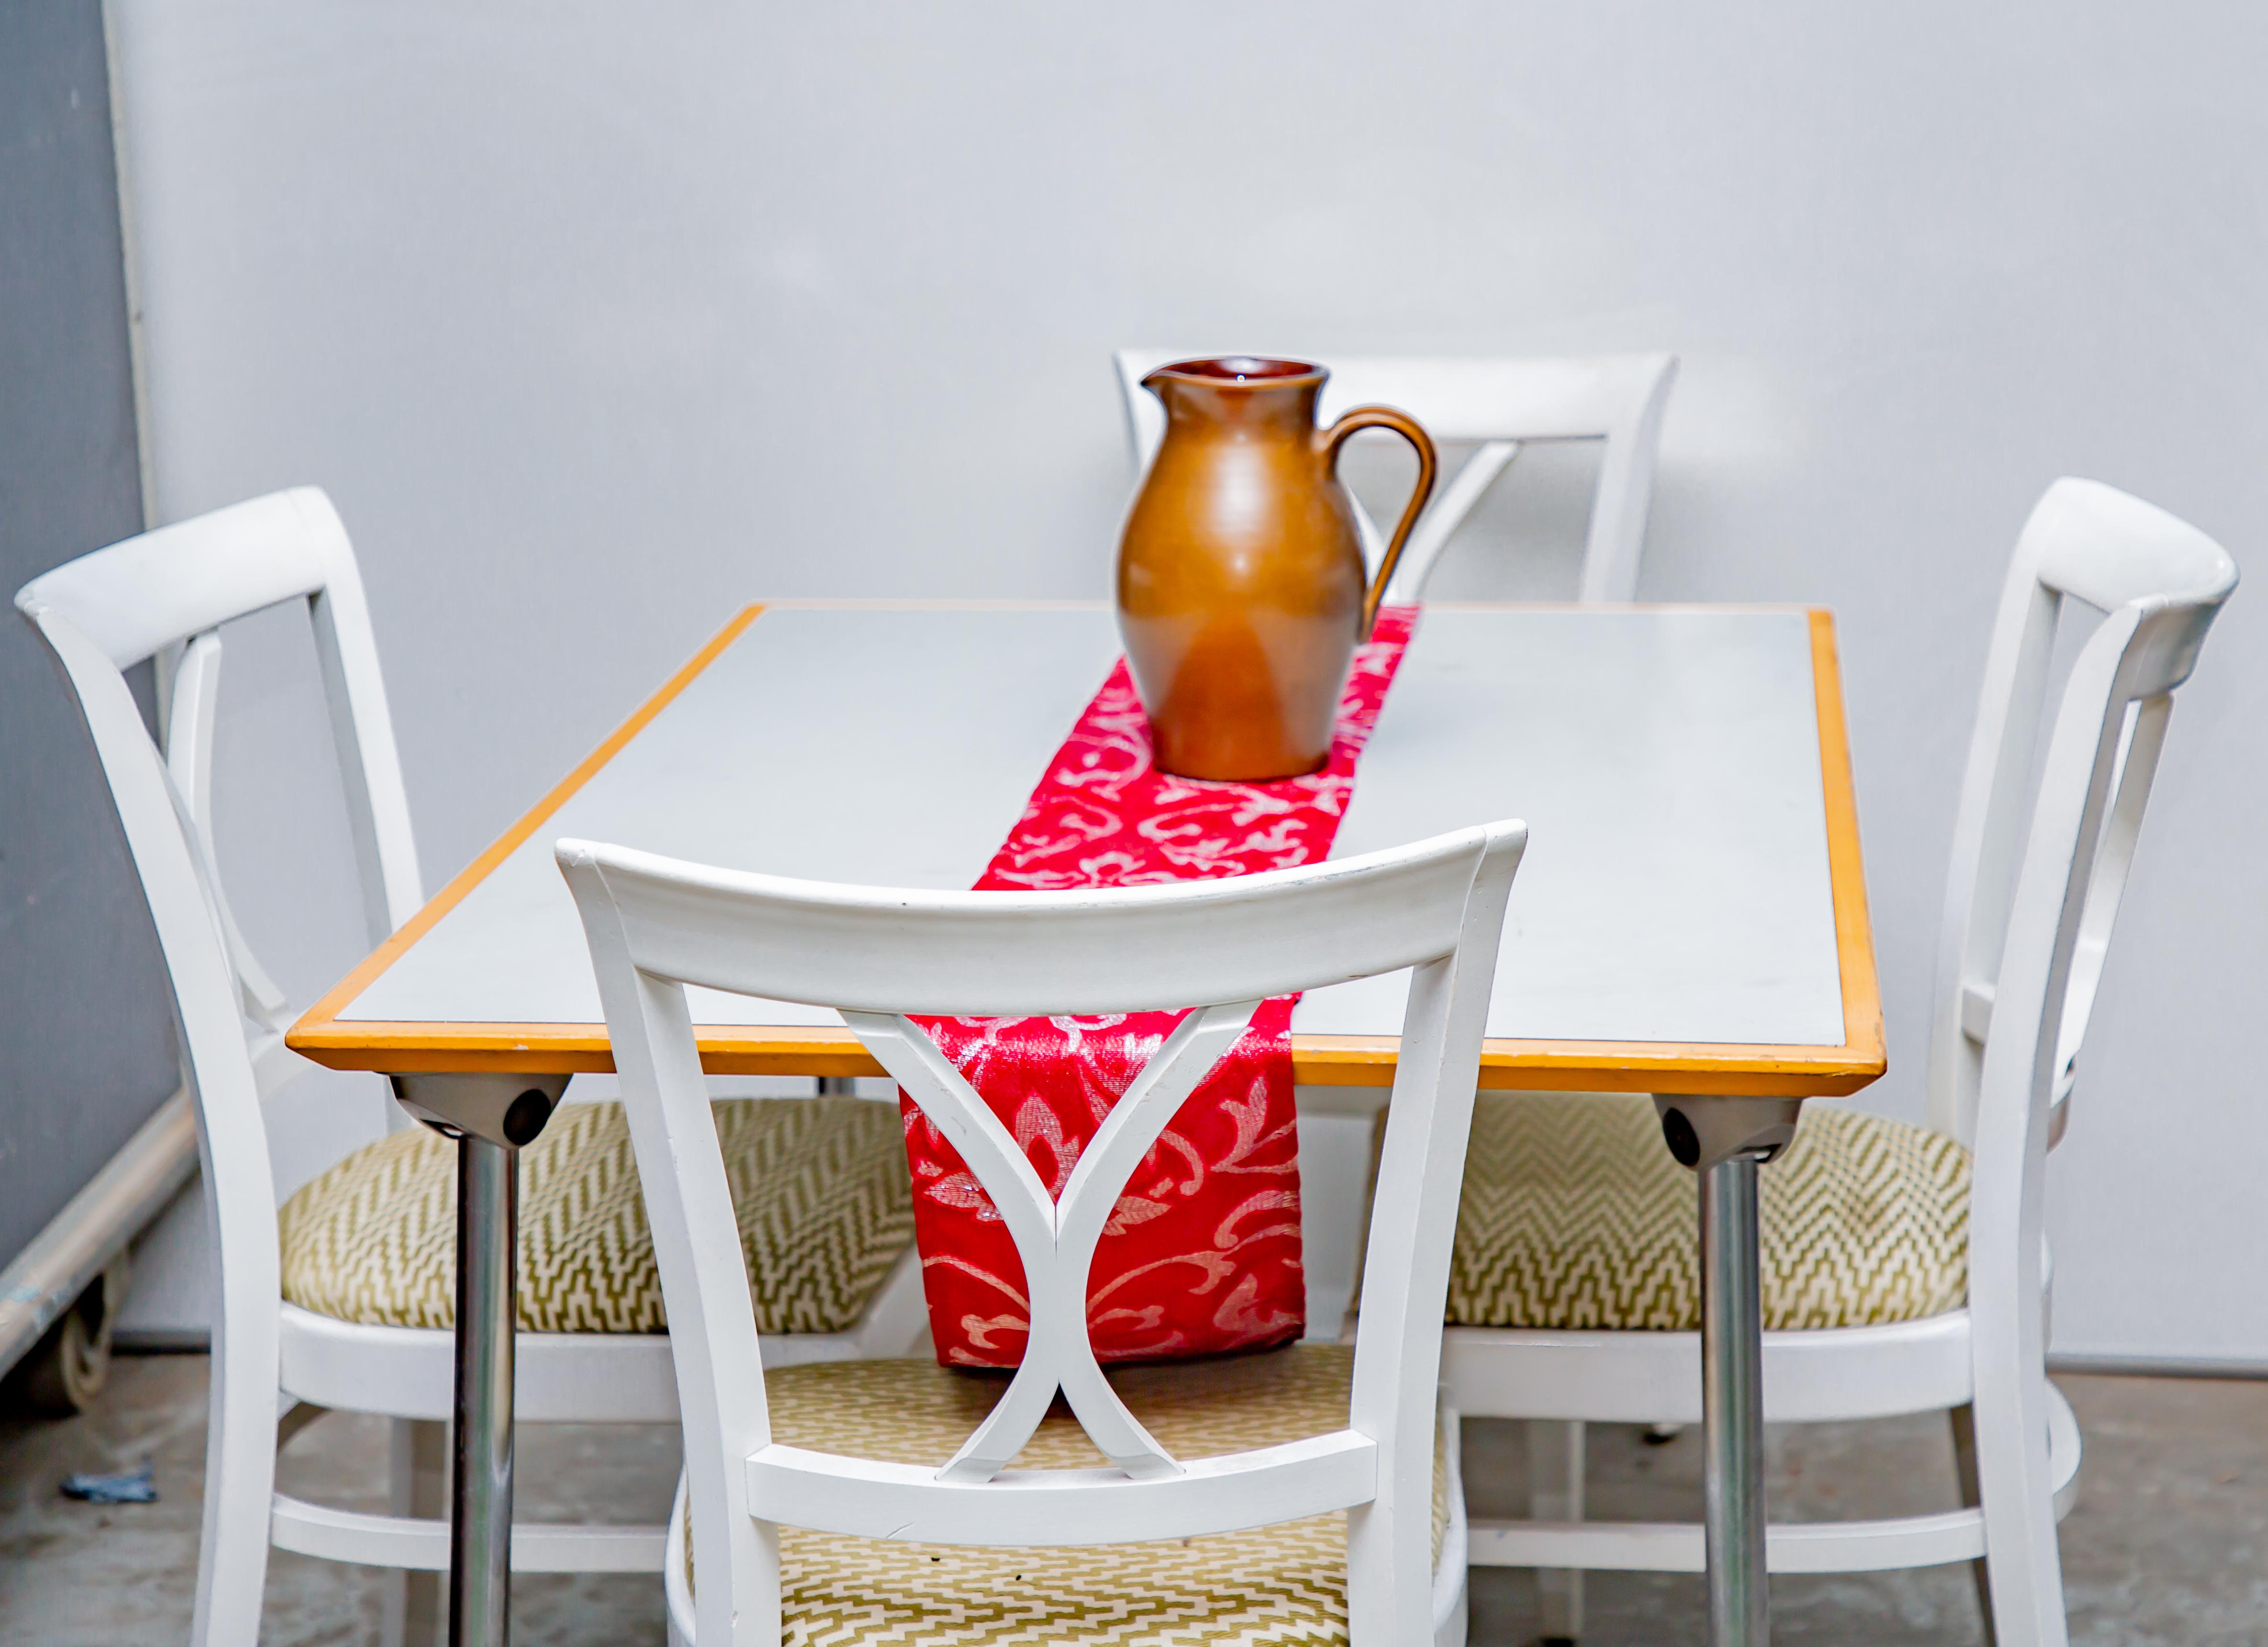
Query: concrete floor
[[2166, 1546]]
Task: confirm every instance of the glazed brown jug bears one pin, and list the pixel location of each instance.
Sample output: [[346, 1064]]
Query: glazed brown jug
[[1241, 588]]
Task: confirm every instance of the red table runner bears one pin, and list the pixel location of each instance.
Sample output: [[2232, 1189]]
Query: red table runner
[[1202, 1252]]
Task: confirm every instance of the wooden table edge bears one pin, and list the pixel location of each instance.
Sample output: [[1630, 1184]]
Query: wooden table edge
[[1846, 872], [1323, 1060], [1763, 1070]]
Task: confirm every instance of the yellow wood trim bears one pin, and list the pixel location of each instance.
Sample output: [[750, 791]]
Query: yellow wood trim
[[1854, 934], [1593, 608], [1322, 1060], [926, 603], [319, 1026], [1317, 1060]]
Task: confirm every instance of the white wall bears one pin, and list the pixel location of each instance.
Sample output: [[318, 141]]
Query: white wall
[[598, 321]]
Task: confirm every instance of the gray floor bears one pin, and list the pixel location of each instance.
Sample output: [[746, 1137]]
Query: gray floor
[[2166, 1546]]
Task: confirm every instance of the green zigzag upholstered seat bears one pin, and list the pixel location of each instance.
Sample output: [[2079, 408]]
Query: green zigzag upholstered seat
[[1275, 1586], [820, 1185], [1574, 1216]]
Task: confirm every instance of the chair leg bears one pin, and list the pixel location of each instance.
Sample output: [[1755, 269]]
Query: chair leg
[[239, 1489], [1963, 1421], [418, 1485], [2025, 1572], [1555, 1493]]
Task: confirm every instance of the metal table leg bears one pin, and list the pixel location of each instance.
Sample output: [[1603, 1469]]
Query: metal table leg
[[491, 1118], [488, 1307], [1725, 1140], [1733, 1405]]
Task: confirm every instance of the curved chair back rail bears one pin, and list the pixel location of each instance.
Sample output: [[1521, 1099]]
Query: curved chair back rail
[[656, 925], [1497, 406]]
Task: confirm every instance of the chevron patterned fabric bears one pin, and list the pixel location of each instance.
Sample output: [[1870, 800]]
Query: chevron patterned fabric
[[1266, 1587], [1574, 1216], [820, 1185]]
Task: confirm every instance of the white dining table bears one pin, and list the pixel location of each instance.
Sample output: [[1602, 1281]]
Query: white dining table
[[1689, 919]]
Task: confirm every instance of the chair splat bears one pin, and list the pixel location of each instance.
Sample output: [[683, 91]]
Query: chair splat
[[1055, 1237]]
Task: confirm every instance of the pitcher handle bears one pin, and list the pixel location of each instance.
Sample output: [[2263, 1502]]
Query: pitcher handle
[[1329, 441]]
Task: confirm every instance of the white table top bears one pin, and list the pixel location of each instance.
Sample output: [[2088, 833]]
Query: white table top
[[1677, 887]]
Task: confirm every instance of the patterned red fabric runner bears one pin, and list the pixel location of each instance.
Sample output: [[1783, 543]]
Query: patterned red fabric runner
[[1202, 1254]]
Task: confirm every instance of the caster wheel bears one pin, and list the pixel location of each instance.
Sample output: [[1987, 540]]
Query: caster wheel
[[69, 1366]]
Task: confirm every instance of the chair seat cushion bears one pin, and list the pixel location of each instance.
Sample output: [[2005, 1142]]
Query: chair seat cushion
[[1575, 1215], [1280, 1584], [820, 1185]]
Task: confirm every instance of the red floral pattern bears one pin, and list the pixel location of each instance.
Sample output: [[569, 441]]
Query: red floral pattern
[[1202, 1252]]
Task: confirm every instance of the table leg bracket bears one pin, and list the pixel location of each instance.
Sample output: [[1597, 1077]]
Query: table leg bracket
[[503, 1109], [1703, 1131]]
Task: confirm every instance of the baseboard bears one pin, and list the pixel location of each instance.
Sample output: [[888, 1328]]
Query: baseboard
[[95, 1226], [2147, 1366], [160, 1340]]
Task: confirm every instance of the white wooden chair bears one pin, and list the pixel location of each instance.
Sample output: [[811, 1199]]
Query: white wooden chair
[[1908, 1275], [1497, 406], [273, 1359], [833, 1500]]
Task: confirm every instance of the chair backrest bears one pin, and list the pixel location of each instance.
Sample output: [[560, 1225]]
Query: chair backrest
[[875, 955], [164, 594], [1497, 406], [2042, 840]]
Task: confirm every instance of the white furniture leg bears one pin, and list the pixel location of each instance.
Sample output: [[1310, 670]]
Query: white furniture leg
[[1555, 1493], [418, 1486], [1964, 1458], [2016, 1478]]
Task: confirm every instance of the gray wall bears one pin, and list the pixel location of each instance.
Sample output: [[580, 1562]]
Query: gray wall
[[600, 320], [87, 1049]]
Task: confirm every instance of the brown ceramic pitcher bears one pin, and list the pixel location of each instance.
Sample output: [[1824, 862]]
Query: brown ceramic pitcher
[[1240, 589]]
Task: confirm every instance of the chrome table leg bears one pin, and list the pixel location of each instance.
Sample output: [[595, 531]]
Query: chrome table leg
[[1733, 1405], [1725, 1140], [491, 1118], [488, 1306]]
